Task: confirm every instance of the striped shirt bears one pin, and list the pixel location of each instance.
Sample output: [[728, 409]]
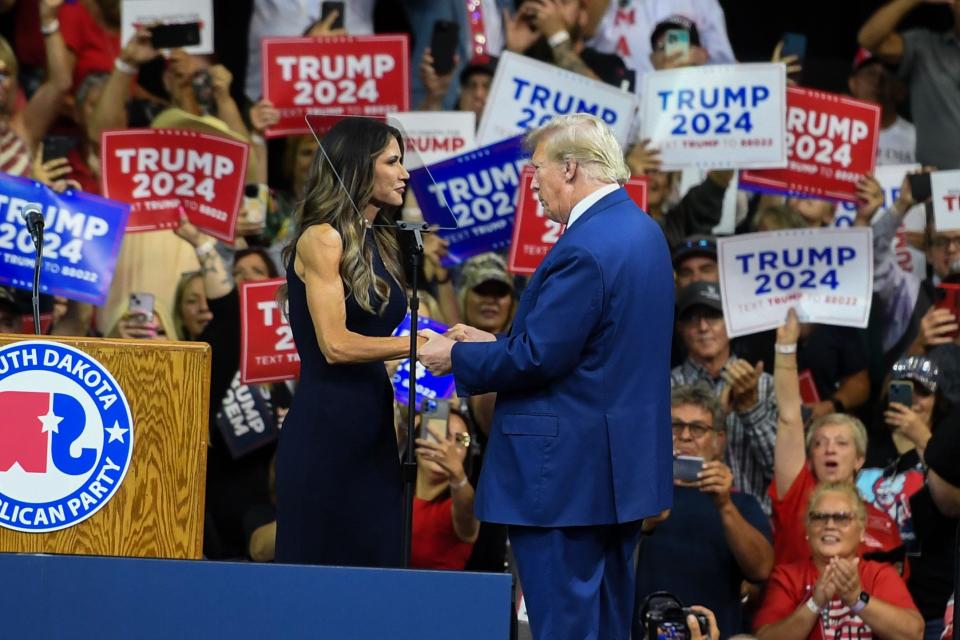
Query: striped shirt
[[751, 435], [14, 155]]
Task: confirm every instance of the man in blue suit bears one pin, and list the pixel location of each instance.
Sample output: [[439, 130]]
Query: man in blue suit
[[580, 449]]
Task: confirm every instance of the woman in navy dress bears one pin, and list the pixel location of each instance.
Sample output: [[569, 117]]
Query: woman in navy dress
[[339, 494]]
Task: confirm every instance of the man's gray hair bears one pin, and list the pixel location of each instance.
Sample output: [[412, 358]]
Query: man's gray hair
[[699, 395], [586, 139]]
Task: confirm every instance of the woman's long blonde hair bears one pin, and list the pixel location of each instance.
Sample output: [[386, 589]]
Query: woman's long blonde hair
[[338, 191]]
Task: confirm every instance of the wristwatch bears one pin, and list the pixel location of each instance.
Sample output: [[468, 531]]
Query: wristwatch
[[861, 602]]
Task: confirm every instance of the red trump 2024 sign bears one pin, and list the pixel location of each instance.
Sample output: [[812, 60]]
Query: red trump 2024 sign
[[267, 350], [831, 143], [337, 76], [534, 234], [161, 172]]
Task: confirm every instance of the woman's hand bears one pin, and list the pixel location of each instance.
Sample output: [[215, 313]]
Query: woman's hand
[[445, 452], [792, 62], [642, 158], [847, 579], [138, 327], [826, 587], [50, 171], [263, 115], [789, 332], [910, 423]]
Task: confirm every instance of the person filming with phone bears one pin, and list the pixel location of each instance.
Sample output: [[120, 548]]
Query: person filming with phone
[[712, 529], [444, 526]]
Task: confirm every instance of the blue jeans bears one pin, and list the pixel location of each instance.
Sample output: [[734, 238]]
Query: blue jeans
[[933, 629]]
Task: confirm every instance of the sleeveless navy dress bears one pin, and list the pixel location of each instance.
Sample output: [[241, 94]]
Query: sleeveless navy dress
[[339, 493]]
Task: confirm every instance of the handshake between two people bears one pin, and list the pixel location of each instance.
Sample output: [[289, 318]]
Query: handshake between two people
[[437, 352]]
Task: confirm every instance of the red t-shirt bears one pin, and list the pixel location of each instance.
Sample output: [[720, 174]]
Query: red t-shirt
[[792, 584], [94, 47], [435, 544], [789, 523]]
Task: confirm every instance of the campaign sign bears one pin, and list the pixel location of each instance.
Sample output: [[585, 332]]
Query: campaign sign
[[478, 187], [826, 274], [534, 234], [66, 440], [162, 172], [526, 93], [81, 239], [946, 200], [267, 350], [716, 116], [144, 13], [429, 386], [334, 75], [433, 136], [831, 142]]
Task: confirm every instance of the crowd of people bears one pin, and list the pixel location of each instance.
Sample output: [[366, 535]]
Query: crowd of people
[[832, 518]]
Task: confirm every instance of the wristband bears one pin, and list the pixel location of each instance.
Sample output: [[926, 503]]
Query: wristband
[[205, 249], [50, 28], [861, 603], [123, 67], [459, 485], [786, 348], [813, 606], [257, 139], [558, 38], [444, 281]]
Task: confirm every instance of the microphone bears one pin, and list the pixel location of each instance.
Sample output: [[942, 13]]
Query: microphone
[[32, 216]]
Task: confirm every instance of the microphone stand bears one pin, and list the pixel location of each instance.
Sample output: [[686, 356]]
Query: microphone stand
[[409, 466], [38, 260]]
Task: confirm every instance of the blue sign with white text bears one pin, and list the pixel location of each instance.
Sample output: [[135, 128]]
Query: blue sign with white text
[[81, 239], [479, 188], [429, 386]]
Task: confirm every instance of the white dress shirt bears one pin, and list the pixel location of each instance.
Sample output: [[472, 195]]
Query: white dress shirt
[[581, 207]]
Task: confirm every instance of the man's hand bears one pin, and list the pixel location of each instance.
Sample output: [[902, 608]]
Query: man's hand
[[789, 332], [49, 10], [436, 354], [466, 333], [139, 49], [716, 479], [518, 29], [937, 327], [548, 17], [325, 27], [744, 382], [435, 84], [792, 62]]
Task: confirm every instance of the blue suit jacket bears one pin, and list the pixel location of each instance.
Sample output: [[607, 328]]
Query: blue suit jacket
[[581, 432]]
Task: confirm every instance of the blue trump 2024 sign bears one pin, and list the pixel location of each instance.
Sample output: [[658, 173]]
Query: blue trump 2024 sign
[[429, 386], [81, 239], [479, 188]]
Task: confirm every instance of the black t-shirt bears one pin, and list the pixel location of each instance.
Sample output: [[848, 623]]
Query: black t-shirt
[[831, 354], [688, 556]]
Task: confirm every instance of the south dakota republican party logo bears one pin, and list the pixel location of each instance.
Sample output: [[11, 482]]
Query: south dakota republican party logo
[[66, 436]]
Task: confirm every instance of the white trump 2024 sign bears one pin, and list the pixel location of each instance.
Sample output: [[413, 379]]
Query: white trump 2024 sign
[[434, 136], [717, 116], [946, 200], [825, 274], [526, 93]]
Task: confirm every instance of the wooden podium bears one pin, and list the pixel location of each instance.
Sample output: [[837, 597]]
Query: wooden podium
[[157, 512]]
